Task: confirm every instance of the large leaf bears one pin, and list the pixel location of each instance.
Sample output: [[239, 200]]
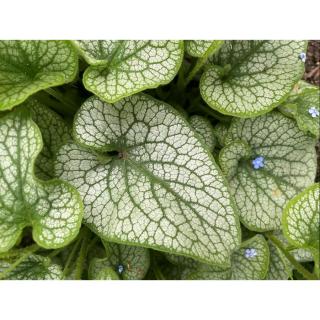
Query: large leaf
[[198, 48], [54, 133], [52, 208], [301, 219], [35, 267], [29, 66], [304, 106], [147, 180], [250, 262], [249, 78], [288, 165], [121, 68]]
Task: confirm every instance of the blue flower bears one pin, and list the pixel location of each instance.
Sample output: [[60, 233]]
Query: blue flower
[[303, 56], [258, 162], [120, 268], [313, 112], [250, 253]]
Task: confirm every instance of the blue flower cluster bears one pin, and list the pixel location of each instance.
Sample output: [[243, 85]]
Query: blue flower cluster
[[258, 162]]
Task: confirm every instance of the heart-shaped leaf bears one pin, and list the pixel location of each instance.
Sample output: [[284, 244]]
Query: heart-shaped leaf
[[54, 133], [198, 48], [30, 66], [129, 262], [283, 163], [304, 107], [52, 208], [147, 180], [204, 128], [121, 68], [250, 262], [301, 219], [35, 267], [249, 78]]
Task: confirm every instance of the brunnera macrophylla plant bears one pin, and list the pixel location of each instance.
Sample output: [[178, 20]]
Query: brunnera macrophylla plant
[[158, 160]]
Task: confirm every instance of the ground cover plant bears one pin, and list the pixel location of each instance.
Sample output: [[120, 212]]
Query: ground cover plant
[[166, 160]]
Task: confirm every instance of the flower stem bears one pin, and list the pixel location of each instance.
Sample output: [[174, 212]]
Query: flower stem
[[82, 255], [306, 274]]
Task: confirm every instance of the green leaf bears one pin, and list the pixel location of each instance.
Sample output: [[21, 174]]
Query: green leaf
[[249, 78], [134, 260], [53, 208], [279, 268], [220, 131], [301, 218], [289, 166], [99, 269], [54, 131], [250, 262], [204, 129], [147, 180], [198, 48], [302, 255], [35, 267], [30, 66], [300, 106], [121, 68]]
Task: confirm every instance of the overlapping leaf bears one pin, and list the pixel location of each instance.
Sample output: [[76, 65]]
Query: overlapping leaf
[[198, 48], [301, 219], [29, 66], [304, 106], [53, 209], [35, 267], [205, 130], [288, 167], [146, 179], [121, 68], [249, 78]]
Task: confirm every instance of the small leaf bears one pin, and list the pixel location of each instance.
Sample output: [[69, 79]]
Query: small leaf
[[305, 109], [249, 78], [157, 186], [204, 128], [131, 263], [52, 208], [283, 163], [121, 68], [99, 269], [198, 48], [279, 268], [30, 66], [54, 133], [220, 131], [301, 218], [302, 255], [35, 267], [250, 262]]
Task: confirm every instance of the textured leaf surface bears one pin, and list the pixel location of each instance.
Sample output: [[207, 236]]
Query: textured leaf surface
[[122, 68], [30, 66], [100, 269], [53, 208], [301, 218], [131, 263], [289, 167], [160, 189], [279, 268], [249, 78], [54, 133], [35, 267], [250, 265], [304, 107], [198, 48], [205, 130]]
